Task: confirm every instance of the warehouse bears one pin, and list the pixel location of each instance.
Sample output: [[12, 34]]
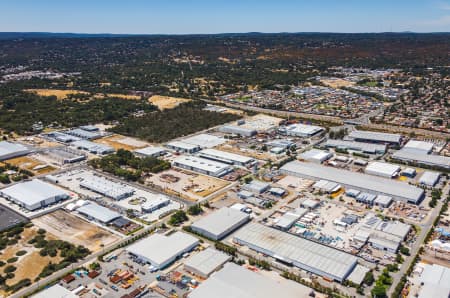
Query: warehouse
[[204, 140], [316, 155], [155, 203], [429, 178], [84, 134], [180, 146], [382, 169], [419, 147], [238, 282], [108, 188], [202, 165], [256, 186], [375, 137], [34, 194], [362, 182], [327, 186], [150, 151], [366, 198], [220, 223], [55, 291], [286, 221], [161, 250], [62, 137], [98, 213], [369, 148], [307, 255], [434, 281], [383, 201], [433, 160], [65, 155], [237, 130], [10, 150], [226, 157], [206, 262], [92, 147], [301, 130]]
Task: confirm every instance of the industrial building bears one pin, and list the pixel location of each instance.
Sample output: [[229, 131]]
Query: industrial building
[[204, 140], [430, 178], [286, 221], [236, 281], [434, 280], [161, 250], [155, 203], [256, 186], [327, 186], [206, 262], [375, 137], [55, 291], [34, 194], [84, 134], [10, 150], [301, 130], [316, 155], [362, 182], [420, 147], [226, 157], [237, 130], [302, 253], [94, 148], [382, 169], [65, 155], [414, 156], [369, 148], [150, 151], [202, 165], [383, 201], [180, 146], [220, 223], [108, 188], [62, 137], [98, 213]]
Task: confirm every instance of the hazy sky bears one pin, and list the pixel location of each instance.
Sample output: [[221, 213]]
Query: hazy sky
[[218, 16]]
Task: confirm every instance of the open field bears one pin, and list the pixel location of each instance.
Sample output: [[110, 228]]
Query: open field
[[30, 164], [190, 186], [166, 102], [118, 95], [122, 142], [337, 83], [60, 94], [76, 230]]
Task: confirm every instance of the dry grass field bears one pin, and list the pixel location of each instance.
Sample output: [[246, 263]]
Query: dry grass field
[[118, 95], [121, 142], [60, 94], [166, 102], [75, 230], [337, 83], [30, 164]]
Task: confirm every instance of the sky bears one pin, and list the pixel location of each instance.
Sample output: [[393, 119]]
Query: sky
[[223, 16]]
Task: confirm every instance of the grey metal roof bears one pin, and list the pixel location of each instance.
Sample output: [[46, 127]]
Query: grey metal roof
[[354, 145], [374, 184], [207, 261], [237, 282], [55, 291], [33, 192], [310, 254], [98, 212], [431, 159], [221, 220], [8, 148], [430, 178], [375, 136]]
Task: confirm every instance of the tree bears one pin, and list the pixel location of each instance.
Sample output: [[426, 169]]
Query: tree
[[178, 218], [368, 278], [195, 210]]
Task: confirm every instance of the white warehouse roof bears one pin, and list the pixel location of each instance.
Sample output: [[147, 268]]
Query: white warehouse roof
[[378, 185], [221, 222], [430, 178], [151, 151], [98, 212], [375, 136], [10, 150], [425, 147], [239, 282], [299, 129], [382, 169], [428, 159], [204, 140], [206, 262], [55, 291], [107, 187], [316, 155], [159, 249], [202, 165], [303, 253], [225, 157]]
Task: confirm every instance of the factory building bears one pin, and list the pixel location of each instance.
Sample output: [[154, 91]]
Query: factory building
[[206, 262], [98, 213], [256, 187], [287, 220], [202, 165], [383, 201], [84, 134], [237, 281], [157, 202], [382, 169], [434, 281], [362, 182], [430, 178], [237, 130], [302, 253], [419, 147], [226, 157], [108, 188], [34, 194], [375, 137], [161, 250], [150, 151], [301, 130], [180, 146], [220, 223], [414, 156], [66, 155], [94, 148], [327, 186], [55, 291], [369, 148], [204, 140], [316, 155], [10, 150]]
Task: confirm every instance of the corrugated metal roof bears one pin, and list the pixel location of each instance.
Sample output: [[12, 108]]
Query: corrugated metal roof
[[33, 192], [221, 220], [207, 261], [98, 212]]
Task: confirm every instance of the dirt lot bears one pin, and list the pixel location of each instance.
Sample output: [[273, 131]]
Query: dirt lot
[[117, 95], [166, 102], [60, 94], [39, 142], [337, 83], [121, 142], [30, 164], [75, 230]]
